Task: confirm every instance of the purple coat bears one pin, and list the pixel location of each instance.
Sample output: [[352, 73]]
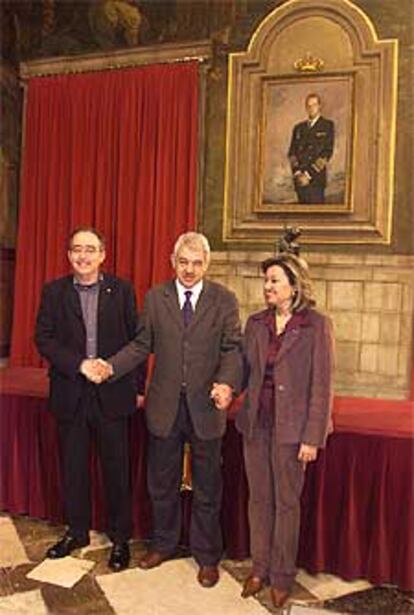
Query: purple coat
[[302, 378]]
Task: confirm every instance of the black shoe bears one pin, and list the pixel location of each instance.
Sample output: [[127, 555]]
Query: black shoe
[[65, 546], [119, 558]]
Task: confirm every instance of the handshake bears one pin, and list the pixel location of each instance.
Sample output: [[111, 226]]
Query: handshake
[[96, 370]]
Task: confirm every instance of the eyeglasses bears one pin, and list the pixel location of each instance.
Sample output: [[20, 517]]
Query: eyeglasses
[[85, 250]]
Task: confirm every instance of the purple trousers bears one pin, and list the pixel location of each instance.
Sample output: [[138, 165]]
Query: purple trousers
[[276, 479]]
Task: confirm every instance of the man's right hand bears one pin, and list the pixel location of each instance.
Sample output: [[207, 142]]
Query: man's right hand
[[96, 370], [302, 179]]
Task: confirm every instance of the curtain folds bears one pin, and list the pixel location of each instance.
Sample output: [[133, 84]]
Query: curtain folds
[[116, 150]]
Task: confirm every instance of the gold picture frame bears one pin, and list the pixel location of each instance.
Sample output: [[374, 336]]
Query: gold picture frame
[[327, 48], [284, 109]]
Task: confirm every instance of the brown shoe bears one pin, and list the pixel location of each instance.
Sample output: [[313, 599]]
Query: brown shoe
[[208, 576], [279, 596], [252, 586], [152, 559]]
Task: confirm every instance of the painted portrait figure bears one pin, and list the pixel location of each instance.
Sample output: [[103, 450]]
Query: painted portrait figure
[[310, 150], [306, 142]]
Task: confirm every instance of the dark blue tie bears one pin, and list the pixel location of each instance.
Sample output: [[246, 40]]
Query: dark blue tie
[[187, 308]]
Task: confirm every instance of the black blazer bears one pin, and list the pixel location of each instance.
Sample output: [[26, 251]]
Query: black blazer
[[60, 338], [311, 148]]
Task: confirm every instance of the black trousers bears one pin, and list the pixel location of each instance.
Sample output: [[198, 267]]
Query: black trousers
[[112, 444], [165, 462], [311, 194]]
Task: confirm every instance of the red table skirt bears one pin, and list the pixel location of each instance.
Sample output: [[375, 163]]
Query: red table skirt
[[357, 508]]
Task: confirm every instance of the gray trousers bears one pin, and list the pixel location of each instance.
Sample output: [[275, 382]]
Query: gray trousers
[[165, 462], [275, 478]]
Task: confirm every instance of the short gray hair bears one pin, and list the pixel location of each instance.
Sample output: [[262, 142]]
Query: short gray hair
[[192, 240]]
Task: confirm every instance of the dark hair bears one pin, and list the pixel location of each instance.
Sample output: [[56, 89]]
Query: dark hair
[[297, 272], [313, 95], [86, 229]]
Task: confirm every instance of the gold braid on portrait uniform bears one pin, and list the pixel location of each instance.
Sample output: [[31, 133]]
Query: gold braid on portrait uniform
[[319, 164]]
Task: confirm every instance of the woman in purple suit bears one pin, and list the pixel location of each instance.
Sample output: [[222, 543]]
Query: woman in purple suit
[[285, 416]]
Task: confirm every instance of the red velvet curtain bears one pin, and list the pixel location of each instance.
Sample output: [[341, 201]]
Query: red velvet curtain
[[116, 150]]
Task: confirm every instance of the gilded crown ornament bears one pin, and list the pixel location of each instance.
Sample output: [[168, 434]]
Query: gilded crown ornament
[[309, 64]]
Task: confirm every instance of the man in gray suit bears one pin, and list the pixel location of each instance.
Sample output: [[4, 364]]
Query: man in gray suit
[[192, 326]]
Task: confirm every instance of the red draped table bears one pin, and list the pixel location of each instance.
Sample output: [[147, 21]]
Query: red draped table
[[357, 505]]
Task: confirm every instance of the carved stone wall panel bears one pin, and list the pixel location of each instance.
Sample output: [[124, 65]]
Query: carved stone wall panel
[[371, 302]]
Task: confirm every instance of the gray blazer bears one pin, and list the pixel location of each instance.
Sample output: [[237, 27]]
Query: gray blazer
[[302, 376], [207, 351]]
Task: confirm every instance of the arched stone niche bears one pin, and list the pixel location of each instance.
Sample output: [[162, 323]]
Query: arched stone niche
[[328, 47]]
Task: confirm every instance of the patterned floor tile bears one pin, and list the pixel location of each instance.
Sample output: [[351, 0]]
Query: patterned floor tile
[[23, 604], [85, 598], [12, 551], [99, 589], [172, 590], [65, 572], [328, 587], [375, 601], [306, 610]]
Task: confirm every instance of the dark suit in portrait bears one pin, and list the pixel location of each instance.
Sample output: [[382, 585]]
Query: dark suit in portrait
[[311, 148], [80, 405], [188, 360]]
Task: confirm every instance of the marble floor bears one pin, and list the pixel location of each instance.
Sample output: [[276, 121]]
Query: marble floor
[[82, 583]]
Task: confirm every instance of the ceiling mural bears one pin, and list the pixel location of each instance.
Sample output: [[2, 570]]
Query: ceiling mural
[[42, 28]]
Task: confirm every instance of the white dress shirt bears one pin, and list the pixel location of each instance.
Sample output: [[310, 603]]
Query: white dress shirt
[[195, 293], [312, 122]]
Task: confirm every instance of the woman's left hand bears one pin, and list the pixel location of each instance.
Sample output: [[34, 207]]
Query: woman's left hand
[[307, 453]]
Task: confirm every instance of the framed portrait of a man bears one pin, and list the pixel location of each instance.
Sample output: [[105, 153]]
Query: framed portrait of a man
[[311, 125], [306, 142]]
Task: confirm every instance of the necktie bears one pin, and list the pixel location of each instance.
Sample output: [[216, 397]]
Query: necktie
[[187, 308]]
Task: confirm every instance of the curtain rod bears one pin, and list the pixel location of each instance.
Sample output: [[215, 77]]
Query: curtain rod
[[168, 54]]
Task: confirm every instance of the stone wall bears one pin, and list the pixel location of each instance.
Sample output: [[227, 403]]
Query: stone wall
[[370, 299]]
